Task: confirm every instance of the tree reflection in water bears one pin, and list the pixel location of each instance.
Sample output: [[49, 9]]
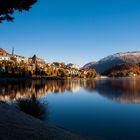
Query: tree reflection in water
[[33, 107], [121, 90]]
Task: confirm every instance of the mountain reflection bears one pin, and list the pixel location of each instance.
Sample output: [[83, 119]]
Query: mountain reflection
[[121, 90]]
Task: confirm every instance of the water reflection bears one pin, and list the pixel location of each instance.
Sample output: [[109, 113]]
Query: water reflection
[[14, 91], [33, 107], [121, 90]]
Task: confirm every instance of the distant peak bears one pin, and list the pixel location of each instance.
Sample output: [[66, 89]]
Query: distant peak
[[117, 58], [133, 52]]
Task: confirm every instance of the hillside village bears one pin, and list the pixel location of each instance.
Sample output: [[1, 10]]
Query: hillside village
[[13, 65]]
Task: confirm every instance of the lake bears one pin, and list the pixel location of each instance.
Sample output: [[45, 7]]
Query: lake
[[108, 109]]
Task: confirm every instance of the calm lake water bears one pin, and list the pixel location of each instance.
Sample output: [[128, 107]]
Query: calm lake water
[[107, 108]]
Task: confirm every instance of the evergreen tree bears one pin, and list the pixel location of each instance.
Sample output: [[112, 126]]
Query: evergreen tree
[[8, 7]]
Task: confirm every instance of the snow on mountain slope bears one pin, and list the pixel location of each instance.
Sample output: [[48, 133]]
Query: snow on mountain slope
[[118, 58]]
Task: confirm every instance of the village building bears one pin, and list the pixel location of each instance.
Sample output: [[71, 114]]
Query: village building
[[4, 55], [36, 61], [17, 58], [20, 59], [132, 74], [73, 66]]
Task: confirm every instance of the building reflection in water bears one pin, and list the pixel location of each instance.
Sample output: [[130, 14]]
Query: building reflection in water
[[120, 90], [14, 91]]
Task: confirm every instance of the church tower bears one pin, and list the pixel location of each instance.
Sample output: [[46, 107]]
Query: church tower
[[13, 51]]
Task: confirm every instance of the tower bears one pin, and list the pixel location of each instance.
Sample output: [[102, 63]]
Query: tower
[[13, 51]]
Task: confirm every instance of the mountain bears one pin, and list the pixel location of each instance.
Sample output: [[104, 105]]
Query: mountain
[[123, 70], [89, 64], [115, 59]]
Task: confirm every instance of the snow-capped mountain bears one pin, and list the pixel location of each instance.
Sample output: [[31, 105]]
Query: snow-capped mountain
[[89, 64], [111, 60]]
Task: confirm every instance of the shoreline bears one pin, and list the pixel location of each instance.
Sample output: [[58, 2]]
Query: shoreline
[[16, 125], [12, 79], [24, 79]]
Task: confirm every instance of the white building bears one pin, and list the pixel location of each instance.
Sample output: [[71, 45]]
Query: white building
[[19, 59], [73, 66], [4, 55]]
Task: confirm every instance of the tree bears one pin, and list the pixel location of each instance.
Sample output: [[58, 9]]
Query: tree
[[62, 72], [8, 7]]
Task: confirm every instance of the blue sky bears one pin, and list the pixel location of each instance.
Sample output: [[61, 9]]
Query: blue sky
[[77, 31]]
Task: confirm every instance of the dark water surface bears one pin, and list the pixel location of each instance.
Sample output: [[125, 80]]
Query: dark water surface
[[105, 108]]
